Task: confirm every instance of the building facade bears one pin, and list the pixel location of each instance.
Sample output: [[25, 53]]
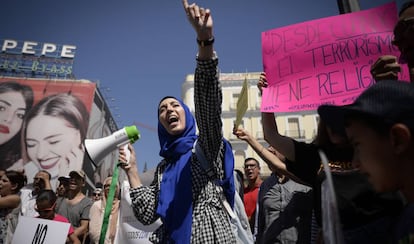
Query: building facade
[[301, 126]]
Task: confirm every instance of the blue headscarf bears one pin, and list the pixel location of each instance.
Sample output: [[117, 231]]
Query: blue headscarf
[[175, 197]]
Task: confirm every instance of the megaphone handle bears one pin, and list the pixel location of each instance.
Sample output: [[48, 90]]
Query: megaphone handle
[[127, 153]]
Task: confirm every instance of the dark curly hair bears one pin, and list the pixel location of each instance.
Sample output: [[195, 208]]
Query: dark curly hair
[[16, 178]]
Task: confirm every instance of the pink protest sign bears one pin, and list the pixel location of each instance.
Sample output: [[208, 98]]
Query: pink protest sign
[[325, 61]]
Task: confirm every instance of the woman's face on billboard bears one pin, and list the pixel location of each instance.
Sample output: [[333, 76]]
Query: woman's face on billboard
[[12, 111], [54, 145]]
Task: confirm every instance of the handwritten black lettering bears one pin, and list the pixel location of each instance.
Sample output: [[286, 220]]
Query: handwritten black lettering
[[297, 88], [40, 234], [350, 49], [286, 67]]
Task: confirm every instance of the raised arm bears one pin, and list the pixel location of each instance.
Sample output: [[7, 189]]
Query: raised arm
[[207, 90], [285, 145], [270, 158], [10, 201], [144, 199], [45, 178]]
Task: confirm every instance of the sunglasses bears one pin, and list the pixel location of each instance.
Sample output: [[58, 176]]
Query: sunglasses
[[97, 194]]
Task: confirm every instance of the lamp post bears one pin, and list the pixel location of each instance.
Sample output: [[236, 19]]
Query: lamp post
[[348, 6]]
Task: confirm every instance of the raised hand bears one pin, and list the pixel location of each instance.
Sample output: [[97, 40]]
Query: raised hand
[[386, 68], [242, 134], [127, 162], [262, 83], [130, 168], [200, 19]]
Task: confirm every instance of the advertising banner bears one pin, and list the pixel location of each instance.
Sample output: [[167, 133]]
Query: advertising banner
[[325, 61], [43, 125]]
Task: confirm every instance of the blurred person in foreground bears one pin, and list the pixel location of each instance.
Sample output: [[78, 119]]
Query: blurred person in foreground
[[380, 127]]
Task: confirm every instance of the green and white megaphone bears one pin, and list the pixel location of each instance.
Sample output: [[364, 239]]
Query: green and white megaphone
[[97, 149]]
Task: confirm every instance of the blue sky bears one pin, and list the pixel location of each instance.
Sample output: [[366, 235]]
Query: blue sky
[[141, 51]]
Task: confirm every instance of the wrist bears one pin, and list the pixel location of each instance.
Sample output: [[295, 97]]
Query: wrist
[[205, 42]]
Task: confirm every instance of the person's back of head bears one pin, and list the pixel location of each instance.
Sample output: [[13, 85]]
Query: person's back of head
[[46, 203], [46, 195]]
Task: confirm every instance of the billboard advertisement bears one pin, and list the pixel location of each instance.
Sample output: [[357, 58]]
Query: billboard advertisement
[[43, 124]]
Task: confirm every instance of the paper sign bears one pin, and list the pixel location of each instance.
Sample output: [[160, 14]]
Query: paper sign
[[325, 61], [130, 230], [38, 231], [242, 103]]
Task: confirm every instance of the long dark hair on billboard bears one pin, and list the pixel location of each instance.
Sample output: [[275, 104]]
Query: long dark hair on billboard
[[11, 120]]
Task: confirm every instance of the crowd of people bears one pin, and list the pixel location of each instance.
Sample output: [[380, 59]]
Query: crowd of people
[[196, 193]]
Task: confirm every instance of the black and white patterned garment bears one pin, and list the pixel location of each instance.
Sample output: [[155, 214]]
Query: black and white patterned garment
[[210, 219]]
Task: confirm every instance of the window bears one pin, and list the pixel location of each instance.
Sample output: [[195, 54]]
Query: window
[[259, 132], [316, 124], [259, 100], [235, 98], [293, 128]]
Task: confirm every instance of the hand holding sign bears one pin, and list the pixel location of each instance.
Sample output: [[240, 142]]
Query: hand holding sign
[[37, 230], [386, 68], [242, 104]]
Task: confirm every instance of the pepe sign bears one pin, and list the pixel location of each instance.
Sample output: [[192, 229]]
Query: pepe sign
[[36, 59], [38, 49]]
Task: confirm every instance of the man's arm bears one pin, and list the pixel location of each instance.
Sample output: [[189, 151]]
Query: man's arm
[[83, 228]]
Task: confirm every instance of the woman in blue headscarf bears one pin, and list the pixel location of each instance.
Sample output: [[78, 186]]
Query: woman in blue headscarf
[[190, 193]]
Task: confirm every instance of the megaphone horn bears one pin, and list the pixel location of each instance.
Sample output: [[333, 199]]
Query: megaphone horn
[[97, 149]]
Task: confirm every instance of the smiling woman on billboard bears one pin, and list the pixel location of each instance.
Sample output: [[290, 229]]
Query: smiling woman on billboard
[[53, 132]]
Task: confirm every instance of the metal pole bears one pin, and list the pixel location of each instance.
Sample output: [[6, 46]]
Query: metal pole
[[348, 6]]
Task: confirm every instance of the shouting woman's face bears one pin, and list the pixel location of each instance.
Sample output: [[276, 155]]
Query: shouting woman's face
[[172, 116]]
